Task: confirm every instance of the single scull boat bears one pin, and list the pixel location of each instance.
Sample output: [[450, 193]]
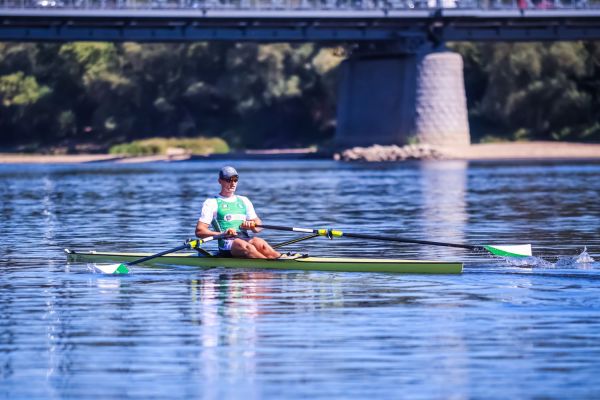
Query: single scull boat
[[301, 263]]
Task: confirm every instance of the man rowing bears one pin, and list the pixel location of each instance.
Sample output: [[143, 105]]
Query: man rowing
[[228, 213]]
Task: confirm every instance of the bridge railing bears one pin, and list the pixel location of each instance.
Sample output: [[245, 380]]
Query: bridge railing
[[302, 4]]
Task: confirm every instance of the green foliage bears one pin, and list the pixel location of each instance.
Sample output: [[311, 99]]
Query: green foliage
[[527, 91], [98, 64], [154, 146], [19, 90], [250, 95], [67, 123], [275, 95]]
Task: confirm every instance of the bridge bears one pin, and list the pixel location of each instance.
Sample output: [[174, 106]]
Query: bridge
[[399, 83], [298, 20]]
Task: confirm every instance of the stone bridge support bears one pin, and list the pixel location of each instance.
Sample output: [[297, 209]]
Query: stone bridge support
[[399, 97]]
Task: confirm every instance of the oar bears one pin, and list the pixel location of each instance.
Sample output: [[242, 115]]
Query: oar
[[124, 267], [518, 250]]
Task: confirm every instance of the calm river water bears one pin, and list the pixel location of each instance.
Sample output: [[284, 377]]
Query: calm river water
[[500, 330]]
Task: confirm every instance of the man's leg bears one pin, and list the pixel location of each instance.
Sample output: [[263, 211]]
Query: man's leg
[[264, 248], [243, 249]]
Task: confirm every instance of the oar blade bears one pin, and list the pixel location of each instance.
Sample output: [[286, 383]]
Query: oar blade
[[515, 250], [112, 269]]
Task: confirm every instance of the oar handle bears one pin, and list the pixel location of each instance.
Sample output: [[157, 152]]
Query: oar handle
[[195, 243]]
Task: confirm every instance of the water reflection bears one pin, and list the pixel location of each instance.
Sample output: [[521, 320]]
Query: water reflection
[[230, 309], [444, 213]]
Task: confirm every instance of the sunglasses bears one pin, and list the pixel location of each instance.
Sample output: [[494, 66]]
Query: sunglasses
[[232, 179]]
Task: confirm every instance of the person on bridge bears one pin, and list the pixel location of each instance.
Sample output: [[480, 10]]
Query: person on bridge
[[228, 213]]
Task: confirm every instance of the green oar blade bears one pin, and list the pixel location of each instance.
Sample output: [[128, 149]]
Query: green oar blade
[[517, 250], [113, 269], [121, 269]]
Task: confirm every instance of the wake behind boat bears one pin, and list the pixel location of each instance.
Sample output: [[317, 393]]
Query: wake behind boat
[[301, 263]]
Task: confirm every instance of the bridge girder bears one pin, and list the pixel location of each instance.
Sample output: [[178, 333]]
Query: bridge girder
[[297, 26]]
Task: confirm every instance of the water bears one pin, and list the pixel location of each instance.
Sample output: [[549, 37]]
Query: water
[[502, 329]]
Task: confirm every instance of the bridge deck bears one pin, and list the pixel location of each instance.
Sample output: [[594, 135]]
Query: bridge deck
[[274, 20]]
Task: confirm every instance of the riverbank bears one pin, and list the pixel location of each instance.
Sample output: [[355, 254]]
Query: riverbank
[[527, 151], [476, 152]]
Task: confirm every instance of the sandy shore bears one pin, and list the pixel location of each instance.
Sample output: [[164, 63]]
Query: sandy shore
[[527, 151], [491, 151]]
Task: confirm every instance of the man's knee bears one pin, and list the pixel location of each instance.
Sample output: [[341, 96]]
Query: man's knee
[[240, 244], [257, 242]]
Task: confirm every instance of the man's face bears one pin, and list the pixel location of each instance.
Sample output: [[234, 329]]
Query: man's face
[[229, 185]]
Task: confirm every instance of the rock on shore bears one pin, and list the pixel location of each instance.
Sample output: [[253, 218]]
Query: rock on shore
[[377, 153]]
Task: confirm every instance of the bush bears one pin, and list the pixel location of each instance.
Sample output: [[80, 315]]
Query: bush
[[155, 146]]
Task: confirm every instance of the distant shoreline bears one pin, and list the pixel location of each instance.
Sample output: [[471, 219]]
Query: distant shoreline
[[477, 152]]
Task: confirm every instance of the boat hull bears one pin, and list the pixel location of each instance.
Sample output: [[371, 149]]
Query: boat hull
[[305, 264]]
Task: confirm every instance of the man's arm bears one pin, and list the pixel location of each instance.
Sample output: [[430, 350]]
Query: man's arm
[[203, 230], [252, 218], [203, 227]]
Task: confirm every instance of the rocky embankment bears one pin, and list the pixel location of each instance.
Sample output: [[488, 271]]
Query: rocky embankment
[[480, 152], [379, 153]]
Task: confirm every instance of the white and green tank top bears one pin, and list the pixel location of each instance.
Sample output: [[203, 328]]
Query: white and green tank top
[[226, 212]]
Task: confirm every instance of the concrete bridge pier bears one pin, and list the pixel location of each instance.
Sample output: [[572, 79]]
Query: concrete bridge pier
[[398, 97]]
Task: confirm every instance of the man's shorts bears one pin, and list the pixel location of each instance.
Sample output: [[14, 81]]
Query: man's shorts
[[224, 253]]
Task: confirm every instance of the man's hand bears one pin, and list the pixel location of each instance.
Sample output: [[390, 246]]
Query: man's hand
[[231, 232], [249, 226]]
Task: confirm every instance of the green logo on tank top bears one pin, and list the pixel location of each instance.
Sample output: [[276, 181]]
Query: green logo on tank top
[[229, 215]]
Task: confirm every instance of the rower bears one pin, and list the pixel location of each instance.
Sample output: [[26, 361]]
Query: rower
[[228, 213]]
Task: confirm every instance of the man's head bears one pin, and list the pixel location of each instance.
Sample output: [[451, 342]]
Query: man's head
[[227, 173], [228, 178]]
